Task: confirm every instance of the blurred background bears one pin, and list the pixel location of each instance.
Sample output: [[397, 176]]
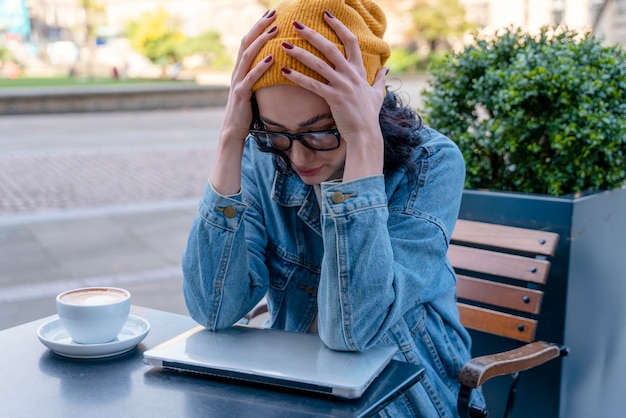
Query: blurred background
[[105, 196], [185, 39]]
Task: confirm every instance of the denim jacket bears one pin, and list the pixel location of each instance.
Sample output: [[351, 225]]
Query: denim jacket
[[369, 260]]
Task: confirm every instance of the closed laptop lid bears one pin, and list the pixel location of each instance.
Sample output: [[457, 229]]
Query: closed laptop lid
[[290, 359]]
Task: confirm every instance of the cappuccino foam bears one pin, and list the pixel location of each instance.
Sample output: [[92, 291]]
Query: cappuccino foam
[[94, 297]]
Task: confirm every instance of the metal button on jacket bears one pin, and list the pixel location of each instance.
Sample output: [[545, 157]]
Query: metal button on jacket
[[228, 211], [338, 197]]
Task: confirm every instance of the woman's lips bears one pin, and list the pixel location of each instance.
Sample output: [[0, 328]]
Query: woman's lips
[[308, 173]]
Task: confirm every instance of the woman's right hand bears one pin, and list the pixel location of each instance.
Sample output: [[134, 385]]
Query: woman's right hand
[[226, 173]]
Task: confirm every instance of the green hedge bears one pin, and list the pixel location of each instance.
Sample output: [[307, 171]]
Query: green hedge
[[538, 114]]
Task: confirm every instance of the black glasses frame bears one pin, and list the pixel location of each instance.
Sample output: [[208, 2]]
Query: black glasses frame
[[298, 137]]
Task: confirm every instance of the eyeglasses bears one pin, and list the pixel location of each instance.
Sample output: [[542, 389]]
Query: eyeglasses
[[317, 141]]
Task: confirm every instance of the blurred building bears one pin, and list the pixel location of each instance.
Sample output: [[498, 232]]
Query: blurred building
[[606, 18], [232, 18], [609, 21], [530, 14], [14, 18], [56, 20], [65, 20]]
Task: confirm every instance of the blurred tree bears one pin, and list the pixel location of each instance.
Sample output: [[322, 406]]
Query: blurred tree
[[438, 22], [208, 48], [156, 35], [5, 54], [94, 12], [434, 24]]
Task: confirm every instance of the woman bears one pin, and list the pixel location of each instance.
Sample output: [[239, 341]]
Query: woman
[[329, 197]]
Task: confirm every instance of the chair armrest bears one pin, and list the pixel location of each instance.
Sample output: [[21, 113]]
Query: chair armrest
[[480, 369]]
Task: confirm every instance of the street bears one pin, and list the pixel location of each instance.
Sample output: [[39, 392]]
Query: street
[[65, 161], [103, 199], [98, 199]]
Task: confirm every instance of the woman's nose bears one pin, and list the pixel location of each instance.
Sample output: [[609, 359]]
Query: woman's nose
[[300, 155]]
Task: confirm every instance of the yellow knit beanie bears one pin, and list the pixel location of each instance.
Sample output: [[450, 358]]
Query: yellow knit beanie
[[364, 18]]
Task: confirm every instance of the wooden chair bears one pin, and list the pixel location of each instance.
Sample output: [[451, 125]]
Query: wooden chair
[[501, 272]]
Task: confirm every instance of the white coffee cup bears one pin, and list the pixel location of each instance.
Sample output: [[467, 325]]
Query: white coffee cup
[[93, 315]]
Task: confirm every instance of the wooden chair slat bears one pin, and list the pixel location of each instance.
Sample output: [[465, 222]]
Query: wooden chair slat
[[498, 323], [499, 294], [497, 269], [499, 264], [506, 237]]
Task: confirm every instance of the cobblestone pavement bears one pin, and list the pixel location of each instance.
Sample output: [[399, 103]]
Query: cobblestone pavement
[[64, 161], [69, 161], [100, 199], [44, 180]]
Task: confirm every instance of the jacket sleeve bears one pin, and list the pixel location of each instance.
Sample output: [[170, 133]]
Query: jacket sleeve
[[385, 246], [224, 273]]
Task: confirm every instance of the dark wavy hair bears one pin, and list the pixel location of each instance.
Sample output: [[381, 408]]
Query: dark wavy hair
[[400, 126]]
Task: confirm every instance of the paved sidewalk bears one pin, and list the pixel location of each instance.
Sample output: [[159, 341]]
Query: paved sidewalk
[[102, 199], [42, 180], [99, 199], [137, 247]]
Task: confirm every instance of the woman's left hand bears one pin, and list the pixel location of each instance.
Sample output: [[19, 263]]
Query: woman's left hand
[[354, 104]]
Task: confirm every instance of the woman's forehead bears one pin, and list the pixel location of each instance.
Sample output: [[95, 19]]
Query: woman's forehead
[[291, 106]]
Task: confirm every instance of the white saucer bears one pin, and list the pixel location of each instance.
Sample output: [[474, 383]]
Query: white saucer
[[53, 335]]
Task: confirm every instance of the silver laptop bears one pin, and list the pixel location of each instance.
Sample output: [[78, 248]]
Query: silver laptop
[[275, 357]]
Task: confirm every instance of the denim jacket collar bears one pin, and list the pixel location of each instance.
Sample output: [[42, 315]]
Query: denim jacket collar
[[289, 190]]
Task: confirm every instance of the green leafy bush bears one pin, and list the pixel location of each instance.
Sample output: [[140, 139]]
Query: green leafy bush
[[403, 60], [537, 114]]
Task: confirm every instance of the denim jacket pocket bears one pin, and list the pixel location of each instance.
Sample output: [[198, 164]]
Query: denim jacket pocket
[[423, 337], [292, 288], [402, 334], [281, 267], [448, 343]]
